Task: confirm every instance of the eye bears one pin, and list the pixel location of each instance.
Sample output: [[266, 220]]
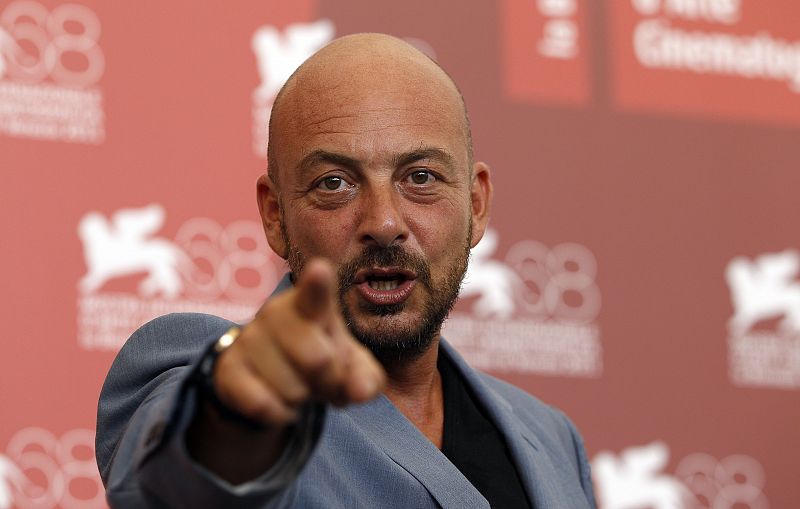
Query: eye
[[332, 184], [422, 177]]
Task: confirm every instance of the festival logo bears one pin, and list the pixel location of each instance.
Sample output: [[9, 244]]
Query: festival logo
[[635, 478], [533, 312], [764, 331], [50, 65], [544, 50], [133, 275], [41, 471], [279, 54], [728, 58]]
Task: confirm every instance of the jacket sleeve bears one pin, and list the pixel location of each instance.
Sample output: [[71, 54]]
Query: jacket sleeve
[[148, 401]]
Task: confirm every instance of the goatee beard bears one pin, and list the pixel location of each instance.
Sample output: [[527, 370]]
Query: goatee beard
[[389, 342]]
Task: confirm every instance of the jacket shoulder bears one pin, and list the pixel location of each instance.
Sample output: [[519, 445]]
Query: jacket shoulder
[[520, 399], [555, 431], [543, 417], [155, 357]]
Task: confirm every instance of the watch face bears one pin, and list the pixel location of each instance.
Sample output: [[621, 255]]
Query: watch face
[[226, 340]]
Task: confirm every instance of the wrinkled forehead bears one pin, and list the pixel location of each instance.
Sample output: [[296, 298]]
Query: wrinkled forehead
[[365, 88]]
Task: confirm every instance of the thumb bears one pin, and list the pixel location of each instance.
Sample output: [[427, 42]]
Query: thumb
[[316, 285]]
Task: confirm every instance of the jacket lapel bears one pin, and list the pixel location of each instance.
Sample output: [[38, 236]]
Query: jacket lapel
[[408, 447], [544, 480]]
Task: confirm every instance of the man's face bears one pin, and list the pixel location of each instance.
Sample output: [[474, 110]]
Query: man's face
[[380, 184]]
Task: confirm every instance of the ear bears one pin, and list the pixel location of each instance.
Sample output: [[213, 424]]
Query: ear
[[269, 207], [481, 200]]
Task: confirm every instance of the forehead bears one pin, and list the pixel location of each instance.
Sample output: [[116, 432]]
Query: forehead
[[369, 114]]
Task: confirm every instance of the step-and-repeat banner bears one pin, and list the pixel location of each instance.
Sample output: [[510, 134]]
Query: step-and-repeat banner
[[641, 270]]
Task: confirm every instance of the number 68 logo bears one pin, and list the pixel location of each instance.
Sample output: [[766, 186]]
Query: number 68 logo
[[61, 44], [46, 471]]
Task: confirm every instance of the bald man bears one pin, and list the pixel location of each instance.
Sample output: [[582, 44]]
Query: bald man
[[341, 392]]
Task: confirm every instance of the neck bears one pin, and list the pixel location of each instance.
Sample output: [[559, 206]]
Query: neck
[[415, 388]]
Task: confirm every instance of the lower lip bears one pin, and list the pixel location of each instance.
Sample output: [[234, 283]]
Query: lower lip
[[385, 297]]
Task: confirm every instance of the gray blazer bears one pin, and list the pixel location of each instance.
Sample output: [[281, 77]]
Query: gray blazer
[[365, 455]]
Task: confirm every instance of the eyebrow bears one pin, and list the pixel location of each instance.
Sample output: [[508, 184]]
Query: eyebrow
[[319, 156], [436, 154]]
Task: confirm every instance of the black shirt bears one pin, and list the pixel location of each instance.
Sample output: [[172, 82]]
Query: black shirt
[[474, 445]]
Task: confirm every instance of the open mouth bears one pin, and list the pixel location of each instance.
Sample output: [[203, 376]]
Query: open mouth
[[385, 285]]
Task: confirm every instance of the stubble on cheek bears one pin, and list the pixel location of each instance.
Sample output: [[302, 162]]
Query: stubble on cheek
[[388, 338]]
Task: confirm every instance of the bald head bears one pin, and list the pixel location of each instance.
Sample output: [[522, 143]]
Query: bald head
[[368, 71]]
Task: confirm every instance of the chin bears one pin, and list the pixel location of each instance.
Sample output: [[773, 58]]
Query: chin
[[390, 344], [386, 321], [393, 333]]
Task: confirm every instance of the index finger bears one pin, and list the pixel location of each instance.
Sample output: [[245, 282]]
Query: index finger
[[316, 287]]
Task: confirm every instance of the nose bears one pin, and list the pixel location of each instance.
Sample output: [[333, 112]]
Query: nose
[[382, 222]]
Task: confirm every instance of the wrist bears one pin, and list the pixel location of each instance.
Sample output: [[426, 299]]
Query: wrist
[[206, 388]]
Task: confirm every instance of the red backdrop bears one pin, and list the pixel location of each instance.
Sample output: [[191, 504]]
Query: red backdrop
[[642, 268]]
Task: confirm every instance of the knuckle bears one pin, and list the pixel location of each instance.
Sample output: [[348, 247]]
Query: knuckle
[[297, 393], [270, 308], [317, 358], [276, 413], [266, 406], [257, 407], [246, 336]]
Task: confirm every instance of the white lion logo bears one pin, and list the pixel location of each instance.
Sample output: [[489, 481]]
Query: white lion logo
[[766, 288], [494, 282], [121, 247], [279, 54], [634, 479], [11, 477]]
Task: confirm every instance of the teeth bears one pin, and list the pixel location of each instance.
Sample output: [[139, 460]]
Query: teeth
[[384, 285]]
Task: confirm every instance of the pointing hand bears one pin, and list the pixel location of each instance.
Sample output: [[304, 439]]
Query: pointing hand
[[297, 349]]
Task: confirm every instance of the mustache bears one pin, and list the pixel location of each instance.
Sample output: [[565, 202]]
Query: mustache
[[377, 256]]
